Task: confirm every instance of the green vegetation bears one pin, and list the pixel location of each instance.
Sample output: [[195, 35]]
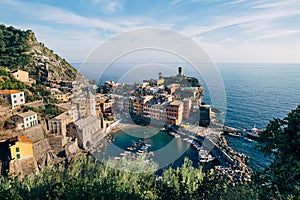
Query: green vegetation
[[13, 47], [84, 177], [20, 49], [282, 139], [48, 111]]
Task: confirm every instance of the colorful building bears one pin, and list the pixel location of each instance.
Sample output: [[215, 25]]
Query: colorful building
[[58, 124], [25, 120], [61, 97], [14, 97], [174, 113], [187, 104], [20, 147]]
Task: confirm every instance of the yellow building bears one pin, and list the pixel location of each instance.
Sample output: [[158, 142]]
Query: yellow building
[[61, 97], [20, 147]]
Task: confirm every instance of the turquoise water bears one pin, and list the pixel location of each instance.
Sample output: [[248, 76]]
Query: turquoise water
[[167, 149], [255, 94]]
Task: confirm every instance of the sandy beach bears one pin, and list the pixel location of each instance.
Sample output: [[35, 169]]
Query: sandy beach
[[123, 126]]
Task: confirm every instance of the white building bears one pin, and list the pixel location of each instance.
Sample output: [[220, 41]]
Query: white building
[[14, 97], [86, 129], [25, 120]]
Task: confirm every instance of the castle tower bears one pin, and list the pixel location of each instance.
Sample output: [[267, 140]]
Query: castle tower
[[160, 75], [180, 71]]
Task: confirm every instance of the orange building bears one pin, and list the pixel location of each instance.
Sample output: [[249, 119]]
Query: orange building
[[174, 113]]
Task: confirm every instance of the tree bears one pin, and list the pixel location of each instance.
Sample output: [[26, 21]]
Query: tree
[[282, 139]]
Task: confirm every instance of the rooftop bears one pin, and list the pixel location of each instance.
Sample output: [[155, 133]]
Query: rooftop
[[26, 114], [175, 103], [64, 106], [188, 88], [17, 70], [19, 138], [62, 116], [10, 91], [83, 122]]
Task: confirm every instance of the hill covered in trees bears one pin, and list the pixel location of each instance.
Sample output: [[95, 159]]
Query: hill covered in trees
[[20, 50]]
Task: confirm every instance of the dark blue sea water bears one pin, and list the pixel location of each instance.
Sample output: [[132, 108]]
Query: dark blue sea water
[[255, 93]]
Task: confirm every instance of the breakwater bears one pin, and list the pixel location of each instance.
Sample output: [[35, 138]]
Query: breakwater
[[233, 164]]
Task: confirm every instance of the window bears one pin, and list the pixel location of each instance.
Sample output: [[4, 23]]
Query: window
[[21, 100], [17, 149], [18, 156], [15, 96], [15, 101], [33, 116], [27, 124], [21, 95], [30, 117], [26, 119]]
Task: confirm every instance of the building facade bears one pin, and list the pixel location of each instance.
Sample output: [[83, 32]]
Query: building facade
[[174, 113], [86, 128], [25, 120], [20, 75], [14, 97], [58, 124], [20, 147]]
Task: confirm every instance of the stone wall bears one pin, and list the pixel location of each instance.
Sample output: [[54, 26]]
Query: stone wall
[[23, 167]]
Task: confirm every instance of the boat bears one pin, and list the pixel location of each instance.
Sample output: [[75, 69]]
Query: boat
[[232, 131], [190, 141], [235, 134], [148, 145], [151, 153], [204, 156], [185, 139], [248, 139], [171, 133], [117, 158], [177, 136], [144, 148], [254, 133], [122, 154]]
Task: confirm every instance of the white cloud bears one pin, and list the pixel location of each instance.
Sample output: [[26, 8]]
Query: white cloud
[[54, 14], [276, 34], [253, 52], [230, 3], [229, 21], [174, 2], [268, 4], [114, 6]]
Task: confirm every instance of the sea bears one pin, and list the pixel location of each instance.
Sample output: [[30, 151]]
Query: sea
[[255, 93]]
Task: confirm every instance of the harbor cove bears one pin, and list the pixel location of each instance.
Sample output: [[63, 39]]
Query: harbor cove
[[150, 100]]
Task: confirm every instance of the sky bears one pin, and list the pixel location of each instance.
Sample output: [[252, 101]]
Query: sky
[[257, 31]]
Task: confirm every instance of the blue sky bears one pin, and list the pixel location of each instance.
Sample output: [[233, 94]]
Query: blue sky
[[228, 30]]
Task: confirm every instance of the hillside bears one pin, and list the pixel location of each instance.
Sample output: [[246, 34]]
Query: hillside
[[20, 49]]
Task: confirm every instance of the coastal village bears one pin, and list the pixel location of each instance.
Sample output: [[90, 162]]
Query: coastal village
[[87, 113]]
